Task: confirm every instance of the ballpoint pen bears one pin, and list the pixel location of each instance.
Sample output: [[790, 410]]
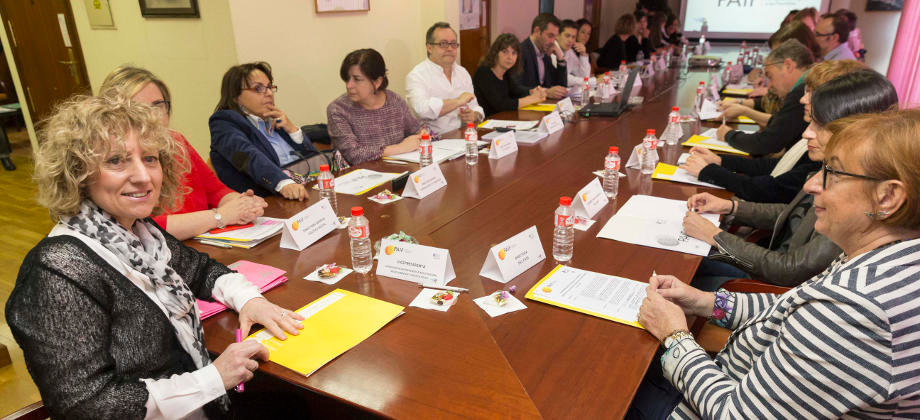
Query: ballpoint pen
[[451, 288], [239, 338]]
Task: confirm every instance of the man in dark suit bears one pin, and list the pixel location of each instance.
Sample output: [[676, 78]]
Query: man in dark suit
[[538, 53]]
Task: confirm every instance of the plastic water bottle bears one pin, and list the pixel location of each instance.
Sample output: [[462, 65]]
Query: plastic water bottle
[[622, 74], [326, 183], [700, 96], [640, 56], [727, 74], [606, 88], [586, 92], [472, 144], [673, 132], [424, 150], [563, 230], [360, 233], [649, 158], [612, 172], [704, 30], [758, 59]]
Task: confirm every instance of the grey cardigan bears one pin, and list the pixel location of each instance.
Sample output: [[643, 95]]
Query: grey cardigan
[[89, 334], [808, 252]]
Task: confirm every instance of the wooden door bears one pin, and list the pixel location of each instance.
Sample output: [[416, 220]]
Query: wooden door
[[47, 52], [593, 14], [474, 40]]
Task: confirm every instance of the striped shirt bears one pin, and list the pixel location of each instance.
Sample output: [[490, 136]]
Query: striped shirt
[[844, 344]]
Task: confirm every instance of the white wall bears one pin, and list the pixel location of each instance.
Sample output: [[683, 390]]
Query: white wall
[[569, 9], [513, 16], [190, 55], [611, 10], [305, 49], [878, 31]]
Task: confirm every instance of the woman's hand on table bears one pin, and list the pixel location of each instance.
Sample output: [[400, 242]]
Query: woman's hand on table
[[242, 208], [690, 299], [732, 111], [706, 155], [274, 318], [708, 203], [238, 362], [722, 131], [694, 165], [294, 192], [698, 227], [658, 315]]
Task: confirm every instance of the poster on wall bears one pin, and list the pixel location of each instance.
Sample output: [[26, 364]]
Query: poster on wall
[[884, 5], [332, 6], [469, 14]]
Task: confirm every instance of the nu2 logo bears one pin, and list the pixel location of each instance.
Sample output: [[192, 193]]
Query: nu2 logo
[[739, 3]]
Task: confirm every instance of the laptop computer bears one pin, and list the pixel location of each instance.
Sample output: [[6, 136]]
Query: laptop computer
[[612, 109]]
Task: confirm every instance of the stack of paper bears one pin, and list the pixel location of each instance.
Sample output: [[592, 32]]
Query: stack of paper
[[360, 181], [441, 151], [677, 174], [265, 277], [261, 229], [332, 324], [738, 89], [655, 222], [709, 140], [514, 125], [521, 137], [601, 295]]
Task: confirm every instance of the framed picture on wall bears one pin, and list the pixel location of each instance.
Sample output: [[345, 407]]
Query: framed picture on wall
[[169, 8], [884, 5], [332, 6]]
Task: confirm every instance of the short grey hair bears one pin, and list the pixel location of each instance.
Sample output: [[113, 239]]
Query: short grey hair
[[795, 51], [429, 36]]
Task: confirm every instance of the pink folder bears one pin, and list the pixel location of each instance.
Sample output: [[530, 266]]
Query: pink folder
[[265, 277]]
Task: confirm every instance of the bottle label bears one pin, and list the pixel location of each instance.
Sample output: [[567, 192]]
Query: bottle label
[[675, 119], [470, 137], [652, 143], [563, 220], [327, 183], [359, 232], [612, 164], [425, 149]]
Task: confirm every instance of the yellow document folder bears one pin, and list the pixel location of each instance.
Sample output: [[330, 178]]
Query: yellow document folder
[[739, 92], [664, 171], [334, 324], [613, 314], [712, 144], [540, 107]]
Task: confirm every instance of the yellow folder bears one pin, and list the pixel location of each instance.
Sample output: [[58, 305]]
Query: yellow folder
[[664, 171], [728, 91], [334, 324], [533, 296], [540, 107], [698, 140]]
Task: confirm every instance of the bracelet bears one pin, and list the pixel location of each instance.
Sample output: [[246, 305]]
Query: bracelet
[[732, 211], [676, 336]]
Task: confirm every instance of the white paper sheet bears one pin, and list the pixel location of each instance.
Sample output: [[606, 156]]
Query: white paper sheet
[[442, 150], [487, 304], [359, 181], [521, 136], [423, 300], [709, 110], [655, 222], [517, 125], [609, 296]]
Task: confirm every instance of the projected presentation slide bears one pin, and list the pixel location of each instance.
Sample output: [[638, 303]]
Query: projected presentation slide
[[754, 19]]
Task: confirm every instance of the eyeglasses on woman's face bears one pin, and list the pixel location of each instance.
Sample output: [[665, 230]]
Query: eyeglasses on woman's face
[[827, 169], [262, 89]]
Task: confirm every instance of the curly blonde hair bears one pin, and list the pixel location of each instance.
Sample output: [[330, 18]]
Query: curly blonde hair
[[82, 132]]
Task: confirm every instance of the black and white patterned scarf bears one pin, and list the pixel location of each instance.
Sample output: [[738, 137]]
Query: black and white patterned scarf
[[144, 250]]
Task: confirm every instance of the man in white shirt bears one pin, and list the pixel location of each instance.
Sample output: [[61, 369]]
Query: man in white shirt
[[440, 90], [576, 55], [832, 32]]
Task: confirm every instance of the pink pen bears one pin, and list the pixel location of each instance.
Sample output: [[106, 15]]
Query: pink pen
[[239, 338]]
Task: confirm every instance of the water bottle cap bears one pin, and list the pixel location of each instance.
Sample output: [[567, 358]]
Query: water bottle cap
[[323, 168], [622, 61], [614, 149], [586, 78], [702, 83], [675, 109], [650, 132], [425, 136], [729, 63], [607, 73], [357, 211], [565, 201], [469, 125]]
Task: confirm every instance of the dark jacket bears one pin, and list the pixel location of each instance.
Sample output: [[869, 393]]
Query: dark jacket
[[89, 334], [792, 257], [243, 158], [633, 46], [530, 76], [782, 131], [496, 95], [612, 53], [750, 179]]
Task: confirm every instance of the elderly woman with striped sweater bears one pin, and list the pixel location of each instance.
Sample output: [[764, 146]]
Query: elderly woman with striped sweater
[[845, 343]]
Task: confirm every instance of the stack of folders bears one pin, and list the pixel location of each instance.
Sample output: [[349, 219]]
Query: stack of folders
[[247, 237], [441, 150], [265, 277]]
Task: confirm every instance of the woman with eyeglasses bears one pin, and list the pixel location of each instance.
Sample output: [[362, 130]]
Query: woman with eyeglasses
[[207, 203], [370, 121], [797, 251], [252, 140], [843, 344]]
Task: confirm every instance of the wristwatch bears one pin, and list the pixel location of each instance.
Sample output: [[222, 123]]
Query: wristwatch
[[675, 337], [220, 220]]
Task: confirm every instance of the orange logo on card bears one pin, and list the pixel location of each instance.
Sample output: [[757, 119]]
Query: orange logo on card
[[390, 249], [497, 142], [501, 254], [415, 179], [584, 196], [295, 226]]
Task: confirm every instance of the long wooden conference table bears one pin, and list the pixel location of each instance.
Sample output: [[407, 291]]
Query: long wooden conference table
[[543, 361]]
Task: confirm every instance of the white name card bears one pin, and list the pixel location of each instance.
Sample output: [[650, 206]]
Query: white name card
[[590, 199], [514, 256], [551, 123], [415, 263], [503, 145], [717, 82], [308, 226], [565, 105], [425, 181]]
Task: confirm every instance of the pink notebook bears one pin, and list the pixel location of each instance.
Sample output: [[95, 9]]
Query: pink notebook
[[265, 277]]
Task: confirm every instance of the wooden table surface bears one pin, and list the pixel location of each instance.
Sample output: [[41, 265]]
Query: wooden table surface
[[540, 362]]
